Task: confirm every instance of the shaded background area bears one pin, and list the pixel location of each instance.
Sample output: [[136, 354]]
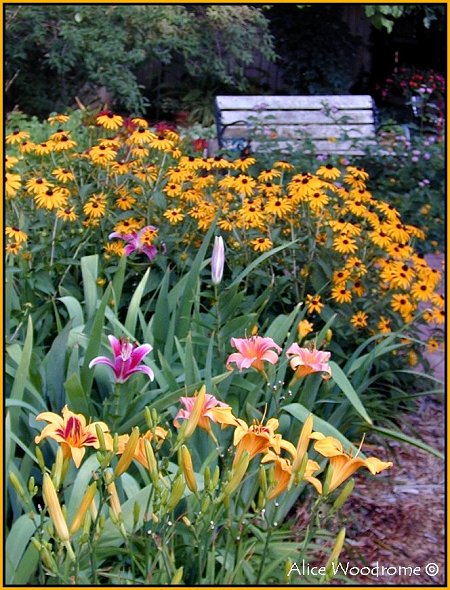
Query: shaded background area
[[170, 61]]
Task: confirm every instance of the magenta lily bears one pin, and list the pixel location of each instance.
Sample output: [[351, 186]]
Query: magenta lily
[[139, 241], [127, 359]]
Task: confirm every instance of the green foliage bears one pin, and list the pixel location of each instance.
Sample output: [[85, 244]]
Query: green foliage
[[55, 53], [384, 16]]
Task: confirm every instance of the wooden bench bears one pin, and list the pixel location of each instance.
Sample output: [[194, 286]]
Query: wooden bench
[[340, 125]]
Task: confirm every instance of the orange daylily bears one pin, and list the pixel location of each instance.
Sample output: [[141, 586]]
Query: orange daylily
[[72, 433], [283, 473], [343, 464], [256, 438]]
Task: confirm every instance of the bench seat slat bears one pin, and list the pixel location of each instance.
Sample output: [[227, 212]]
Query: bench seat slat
[[265, 103]]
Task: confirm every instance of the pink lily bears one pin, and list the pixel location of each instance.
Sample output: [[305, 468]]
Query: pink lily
[[213, 410], [127, 359], [253, 352], [139, 241], [305, 361]]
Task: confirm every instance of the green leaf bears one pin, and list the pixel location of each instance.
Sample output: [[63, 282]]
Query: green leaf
[[161, 317], [258, 261], [76, 396], [118, 281], [396, 435], [74, 309], [87, 374], [133, 309], [89, 271], [347, 389], [53, 366], [16, 543]]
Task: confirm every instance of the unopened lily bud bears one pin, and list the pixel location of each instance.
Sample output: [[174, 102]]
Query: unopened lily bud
[[177, 493], [261, 500], [45, 555], [298, 469], [151, 461], [192, 421], [217, 260], [205, 504], [83, 508], [262, 479], [17, 485], [40, 458], [335, 553], [178, 577], [87, 525], [58, 468], [154, 517], [186, 521], [341, 499], [155, 417], [115, 443], [32, 486], [93, 510], [100, 438], [238, 473], [206, 478], [329, 335], [271, 475], [54, 508], [188, 469], [216, 477], [148, 418], [128, 453], [113, 496]]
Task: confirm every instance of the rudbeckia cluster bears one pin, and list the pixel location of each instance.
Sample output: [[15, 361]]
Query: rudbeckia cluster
[[129, 188]]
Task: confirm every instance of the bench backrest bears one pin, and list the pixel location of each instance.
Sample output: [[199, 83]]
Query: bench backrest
[[339, 124]]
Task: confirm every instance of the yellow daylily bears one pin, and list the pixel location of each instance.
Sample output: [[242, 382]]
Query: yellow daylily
[[72, 433], [343, 464]]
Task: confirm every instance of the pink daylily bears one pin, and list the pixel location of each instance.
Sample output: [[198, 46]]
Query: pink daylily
[[305, 361], [139, 241], [213, 410], [127, 359], [253, 352]]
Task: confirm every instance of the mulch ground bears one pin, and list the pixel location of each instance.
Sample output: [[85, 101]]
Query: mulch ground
[[397, 518]]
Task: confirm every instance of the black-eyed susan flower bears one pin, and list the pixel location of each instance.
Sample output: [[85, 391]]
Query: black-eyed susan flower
[[13, 182], [314, 304], [356, 265], [244, 163], [329, 172], [58, 118], [52, 198], [38, 185], [63, 143], [341, 276], [244, 185], [261, 244], [421, 290], [17, 136], [279, 207], [44, 148], [13, 248], [109, 121], [26, 147], [174, 215], [63, 174], [15, 234], [402, 303], [359, 320], [140, 136], [125, 201], [10, 161], [67, 213], [341, 294], [344, 244], [384, 325], [268, 175], [95, 206], [432, 345], [102, 154], [161, 142]]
